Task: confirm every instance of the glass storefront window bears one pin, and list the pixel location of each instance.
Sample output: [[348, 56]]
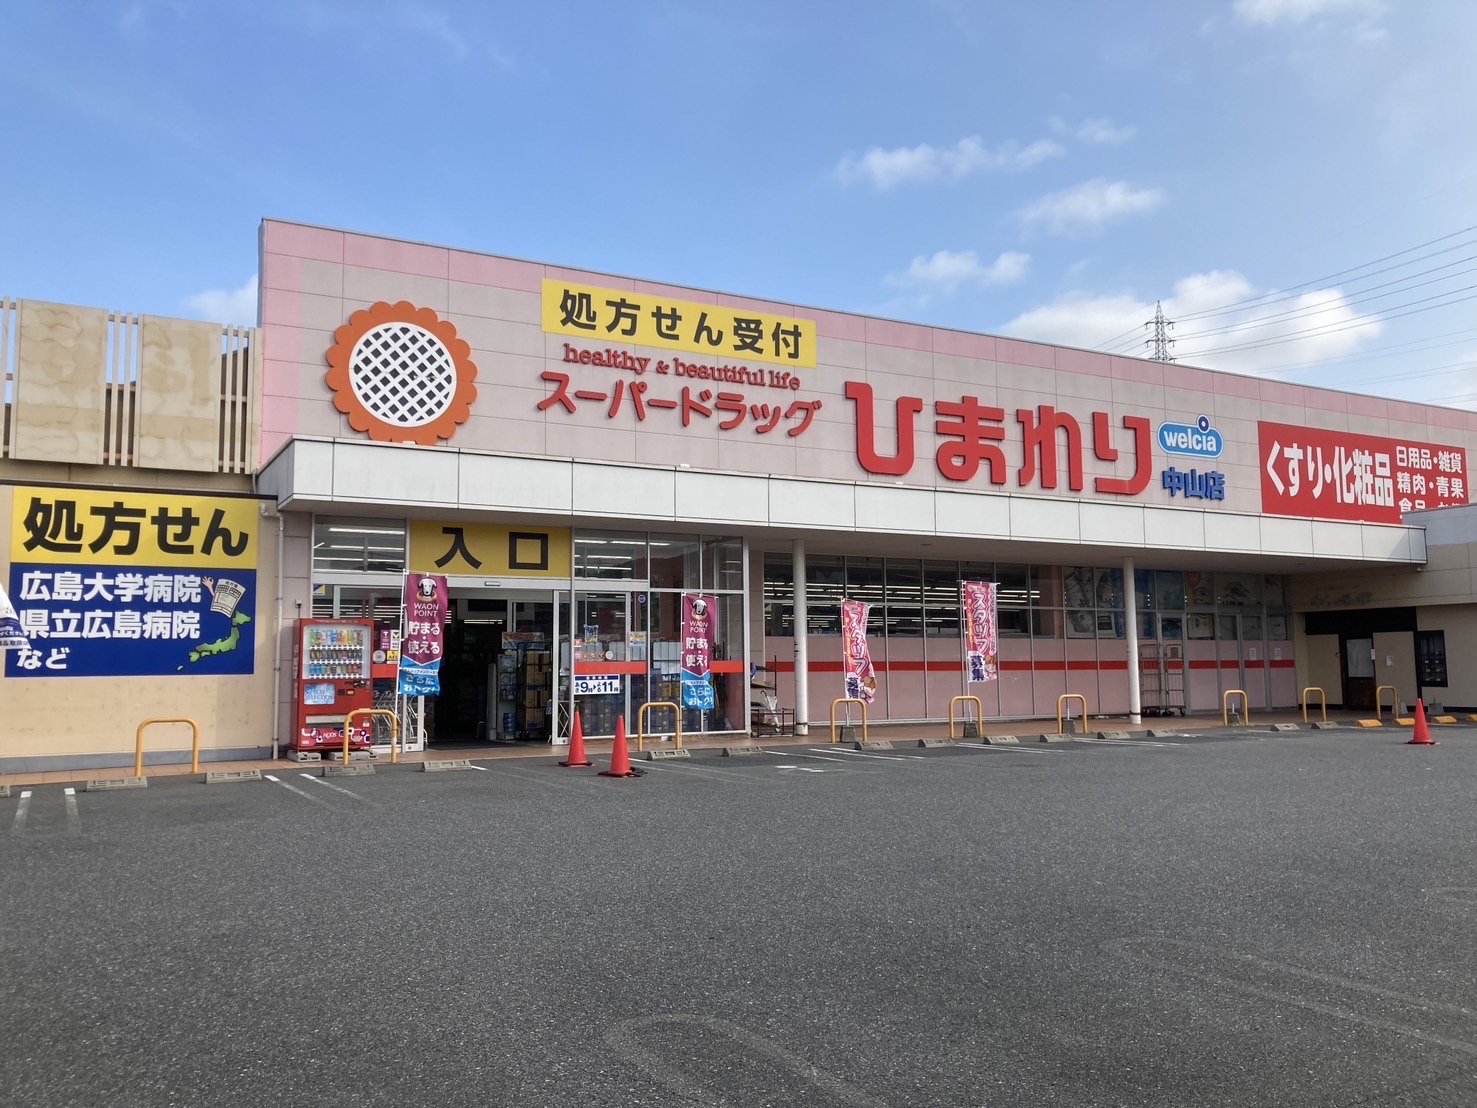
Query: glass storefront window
[[676, 562], [347, 544], [1274, 593], [941, 599], [610, 555], [1169, 590], [1014, 582], [1110, 589], [723, 564], [904, 599], [825, 580], [1046, 586], [1238, 590], [779, 595], [864, 583], [1143, 588], [1046, 623]]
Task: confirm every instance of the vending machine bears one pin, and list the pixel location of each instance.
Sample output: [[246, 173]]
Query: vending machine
[[333, 679]]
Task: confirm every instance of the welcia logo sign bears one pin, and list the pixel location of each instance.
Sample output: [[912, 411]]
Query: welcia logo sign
[[1200, 440]]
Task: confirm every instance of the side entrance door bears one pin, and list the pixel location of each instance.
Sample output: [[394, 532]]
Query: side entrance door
[[1358, 674]]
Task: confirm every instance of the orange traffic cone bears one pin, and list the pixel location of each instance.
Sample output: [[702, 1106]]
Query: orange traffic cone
[[1422, 735], [577, 746], [620, 757]]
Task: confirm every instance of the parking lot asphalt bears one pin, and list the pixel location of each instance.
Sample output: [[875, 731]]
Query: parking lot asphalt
[[1219, 918]]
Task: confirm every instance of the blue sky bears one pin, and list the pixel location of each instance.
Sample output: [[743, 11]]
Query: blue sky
[[1296, 180]]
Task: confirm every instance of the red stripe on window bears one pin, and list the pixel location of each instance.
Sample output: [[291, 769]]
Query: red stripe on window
[[607, 669]]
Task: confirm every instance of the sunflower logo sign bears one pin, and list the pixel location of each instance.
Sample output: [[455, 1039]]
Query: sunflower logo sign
[[119, 584], [402, 374]]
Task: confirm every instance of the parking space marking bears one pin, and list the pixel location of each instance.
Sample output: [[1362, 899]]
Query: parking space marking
[[638, 1040], [74, 818], [880, 757], [474, 765], [300, 792], [1217, 966], [1012, 749], [331, 785], [1122, 742], [19, 825], [688, 767]]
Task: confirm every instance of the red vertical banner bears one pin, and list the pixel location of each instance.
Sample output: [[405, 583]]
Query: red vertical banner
[[421, 648], [861, 680], [981, 636]]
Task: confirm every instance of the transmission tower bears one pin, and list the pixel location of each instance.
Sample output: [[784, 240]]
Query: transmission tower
[[1161, 342]]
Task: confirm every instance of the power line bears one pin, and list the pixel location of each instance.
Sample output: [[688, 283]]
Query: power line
[[1333, 276], [1333, 330]]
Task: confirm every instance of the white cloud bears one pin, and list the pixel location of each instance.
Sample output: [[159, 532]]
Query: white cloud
[[1269, 13], [946, 270], [1276, 331], [226, 305], [886, 168], [1098, 132], [1091, 205]]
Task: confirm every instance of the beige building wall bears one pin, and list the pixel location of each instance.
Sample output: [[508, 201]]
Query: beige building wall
[[65, 722], [1320, 666], [1459, 623], [1394, 664]]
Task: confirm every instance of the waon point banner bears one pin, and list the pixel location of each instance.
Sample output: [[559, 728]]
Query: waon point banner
[[861, 681], [421, 647], [699, 627], [980, 630]]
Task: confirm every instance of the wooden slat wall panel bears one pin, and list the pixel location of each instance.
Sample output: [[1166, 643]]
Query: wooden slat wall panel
[[179, 395], [61, 360]]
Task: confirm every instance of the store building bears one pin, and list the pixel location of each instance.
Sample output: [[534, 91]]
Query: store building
[[575, 451]]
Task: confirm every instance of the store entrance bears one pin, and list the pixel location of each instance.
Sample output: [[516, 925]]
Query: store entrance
[[495, 672]]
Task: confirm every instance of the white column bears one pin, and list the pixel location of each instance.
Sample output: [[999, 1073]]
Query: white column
[[1131, 615], [802, 623]]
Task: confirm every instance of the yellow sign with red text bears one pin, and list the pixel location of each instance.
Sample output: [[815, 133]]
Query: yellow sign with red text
[[655, 320]]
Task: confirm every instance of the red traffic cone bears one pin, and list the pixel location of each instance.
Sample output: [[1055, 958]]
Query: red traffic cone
[[620, 757], [1422, 735], [577, 746]]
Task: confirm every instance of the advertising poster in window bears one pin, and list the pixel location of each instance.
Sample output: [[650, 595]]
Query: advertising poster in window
[[861, 681], [10, 625], [981, 639], [421, 646], [699, 627], [109, 583]]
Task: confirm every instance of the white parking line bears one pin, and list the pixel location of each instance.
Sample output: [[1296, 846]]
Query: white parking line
[[74, 818], [1009, 748], [882, 757], [1122, 742], [300, 792], [484, 769], [20, 813], [329, 785]]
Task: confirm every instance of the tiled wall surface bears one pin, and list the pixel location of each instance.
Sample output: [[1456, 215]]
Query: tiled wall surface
[[314, 279]]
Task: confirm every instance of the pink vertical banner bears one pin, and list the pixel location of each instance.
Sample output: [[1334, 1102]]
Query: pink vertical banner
[[981, 638], [861, 681], [699, 630]]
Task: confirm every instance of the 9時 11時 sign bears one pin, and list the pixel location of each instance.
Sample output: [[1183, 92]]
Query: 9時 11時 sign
[[131, 584], [1309, 471]]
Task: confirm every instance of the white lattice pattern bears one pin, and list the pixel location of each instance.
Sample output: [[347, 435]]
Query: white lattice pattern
[[402, 374]]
